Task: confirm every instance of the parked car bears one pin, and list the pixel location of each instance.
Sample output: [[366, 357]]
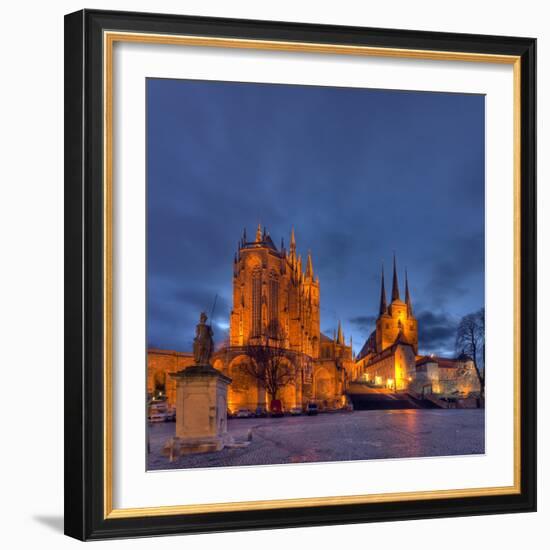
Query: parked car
[[260, 412], [171, 414], [158, 411], [312, 409], [244, 413], [296, 411], [276, 409], [158, 417]]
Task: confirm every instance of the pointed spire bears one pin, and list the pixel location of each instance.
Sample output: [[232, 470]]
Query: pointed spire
[[408, 295], [309, 266], [395, 283], [244, 235], [383, 304], [292, 249], [340, 337], [282, 244], [259, 234]]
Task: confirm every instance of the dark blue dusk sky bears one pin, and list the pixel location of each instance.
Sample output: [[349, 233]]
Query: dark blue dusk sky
[[359, 173]]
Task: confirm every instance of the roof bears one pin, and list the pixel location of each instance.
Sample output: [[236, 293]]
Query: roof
[[401, 339], [266, 242], [159, 351], [325, 338], [443, 362], [369, 345], [389, 350]]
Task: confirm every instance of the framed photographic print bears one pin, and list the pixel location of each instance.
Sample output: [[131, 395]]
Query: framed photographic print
[[300, 274]]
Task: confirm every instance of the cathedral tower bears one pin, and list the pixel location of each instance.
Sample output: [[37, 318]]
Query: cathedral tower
[[396, 320], [274, 301]]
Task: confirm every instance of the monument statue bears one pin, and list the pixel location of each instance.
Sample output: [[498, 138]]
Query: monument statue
[[203, 344], [201, 401]]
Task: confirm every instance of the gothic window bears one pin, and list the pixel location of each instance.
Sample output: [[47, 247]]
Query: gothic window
[[273, 302], [256, 303]]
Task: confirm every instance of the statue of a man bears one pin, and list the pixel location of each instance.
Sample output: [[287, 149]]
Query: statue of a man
[[203, 344]]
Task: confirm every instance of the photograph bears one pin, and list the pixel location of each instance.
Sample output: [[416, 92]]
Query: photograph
[[299, 273], [315, 274]]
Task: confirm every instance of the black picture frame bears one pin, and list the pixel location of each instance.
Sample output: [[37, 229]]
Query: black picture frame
[[84, 281]]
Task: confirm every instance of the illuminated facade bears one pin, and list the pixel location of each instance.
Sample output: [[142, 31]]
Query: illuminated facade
[[274, 297], [389, 357], [276, 303]]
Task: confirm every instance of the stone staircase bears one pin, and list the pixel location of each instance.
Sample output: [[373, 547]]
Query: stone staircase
[[365, 397]]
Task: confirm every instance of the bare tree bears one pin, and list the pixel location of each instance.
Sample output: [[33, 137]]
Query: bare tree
[[268, 363], [470, 339], [481, 320]]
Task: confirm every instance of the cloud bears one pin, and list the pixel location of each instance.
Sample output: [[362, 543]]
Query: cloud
[[221, 156], [454, 268], [173, 312], [364, 323], [436, 332]]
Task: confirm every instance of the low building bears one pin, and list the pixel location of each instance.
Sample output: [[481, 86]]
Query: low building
[[160, 363], [445, 376]]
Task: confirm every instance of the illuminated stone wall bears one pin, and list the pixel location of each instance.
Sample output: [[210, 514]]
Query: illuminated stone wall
[[460, 378], [391, 323], [160, 363]]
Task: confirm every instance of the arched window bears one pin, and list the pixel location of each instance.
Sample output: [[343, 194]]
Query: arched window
[[273, 302], [256, 303]]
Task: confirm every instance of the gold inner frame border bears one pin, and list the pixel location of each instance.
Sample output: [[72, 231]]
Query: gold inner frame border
[[109, 39]]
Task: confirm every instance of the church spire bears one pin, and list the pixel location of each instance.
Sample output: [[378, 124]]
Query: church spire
[[259, 234], [292, 249], [395, 283], [340, 337], [408, 296], [383, 304], [309, 266]]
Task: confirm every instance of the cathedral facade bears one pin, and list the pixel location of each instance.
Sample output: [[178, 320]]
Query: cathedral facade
[[390, 357], [389, 354], [276, 303]]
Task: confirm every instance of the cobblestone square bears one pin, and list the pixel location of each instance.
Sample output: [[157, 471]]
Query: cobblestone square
[[358, 435]]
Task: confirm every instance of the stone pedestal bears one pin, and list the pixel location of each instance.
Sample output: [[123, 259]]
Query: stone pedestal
[[201, 411]]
